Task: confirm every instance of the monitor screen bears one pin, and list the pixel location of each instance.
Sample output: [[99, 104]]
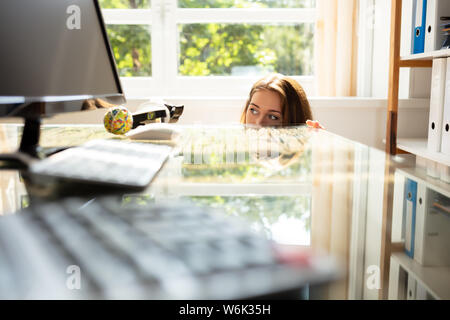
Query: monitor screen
[[54, 50]]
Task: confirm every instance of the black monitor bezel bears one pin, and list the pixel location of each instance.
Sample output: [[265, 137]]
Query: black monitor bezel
[[112, 96]]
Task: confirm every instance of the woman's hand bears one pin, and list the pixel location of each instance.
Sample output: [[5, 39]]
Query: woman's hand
[[314, 124]]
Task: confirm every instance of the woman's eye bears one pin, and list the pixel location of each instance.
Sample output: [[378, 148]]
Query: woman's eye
[[272, 117], [254, 111]]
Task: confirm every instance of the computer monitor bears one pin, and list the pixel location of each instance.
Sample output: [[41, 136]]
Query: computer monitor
[[55, 57]]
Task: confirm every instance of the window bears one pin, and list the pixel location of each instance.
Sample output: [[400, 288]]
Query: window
[[202, 47]]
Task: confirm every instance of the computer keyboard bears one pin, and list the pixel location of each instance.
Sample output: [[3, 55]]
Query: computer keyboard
[[108, 162], [106, 248]]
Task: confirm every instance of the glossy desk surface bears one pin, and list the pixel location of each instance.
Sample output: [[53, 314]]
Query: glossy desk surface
[[300, 186]]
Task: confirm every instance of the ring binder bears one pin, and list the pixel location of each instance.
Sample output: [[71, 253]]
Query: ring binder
[[419, 18], [435, 9], [409, 212]]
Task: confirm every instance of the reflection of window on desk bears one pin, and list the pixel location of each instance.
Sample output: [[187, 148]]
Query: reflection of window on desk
[[285, 219], [299, 171], [262, 175], [240, 155], [138, 199]]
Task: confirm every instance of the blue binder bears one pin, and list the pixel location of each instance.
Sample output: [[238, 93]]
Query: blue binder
[[409, 215], [419, 24]]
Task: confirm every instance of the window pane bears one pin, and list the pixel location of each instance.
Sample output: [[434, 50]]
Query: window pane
[[132, 49], [243, 49], [246, 3], [124, 4]]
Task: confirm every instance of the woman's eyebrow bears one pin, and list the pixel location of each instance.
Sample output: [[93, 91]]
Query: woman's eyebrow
[[269, 110]]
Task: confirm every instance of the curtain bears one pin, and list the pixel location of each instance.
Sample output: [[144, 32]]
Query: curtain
[[335, 47]]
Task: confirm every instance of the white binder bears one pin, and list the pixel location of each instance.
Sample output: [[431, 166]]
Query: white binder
[[421, 292], [411, 288], [437, 104], [420, 222], [433, 35], [432, 232], [445, 143]]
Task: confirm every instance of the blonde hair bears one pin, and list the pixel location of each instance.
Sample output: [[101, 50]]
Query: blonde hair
[[295, 105]]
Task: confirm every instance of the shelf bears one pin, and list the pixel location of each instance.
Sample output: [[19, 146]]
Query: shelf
[[419, 148], [436, 280], [420, 175], [427, 55], [416, 63]]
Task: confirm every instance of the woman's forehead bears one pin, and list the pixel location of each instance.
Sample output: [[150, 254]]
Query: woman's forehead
[[267, 99]]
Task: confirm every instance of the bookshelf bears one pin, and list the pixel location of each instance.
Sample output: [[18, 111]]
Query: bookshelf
[[396, 62], [419, 148], [427, 56], [395, 146], [435, 279], [420, 175]]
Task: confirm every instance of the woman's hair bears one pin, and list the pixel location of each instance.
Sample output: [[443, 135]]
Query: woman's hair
[[295, 107]]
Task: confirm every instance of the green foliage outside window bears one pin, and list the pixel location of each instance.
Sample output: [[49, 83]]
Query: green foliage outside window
[[246, 3], [131, 45], [125, 4], [239, 49], [143, 4], [219, 49]]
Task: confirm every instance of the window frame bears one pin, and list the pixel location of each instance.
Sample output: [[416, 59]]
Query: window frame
[[164, 16]]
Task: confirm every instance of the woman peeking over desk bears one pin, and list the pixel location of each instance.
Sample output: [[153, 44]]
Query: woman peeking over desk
[[277, 100]]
